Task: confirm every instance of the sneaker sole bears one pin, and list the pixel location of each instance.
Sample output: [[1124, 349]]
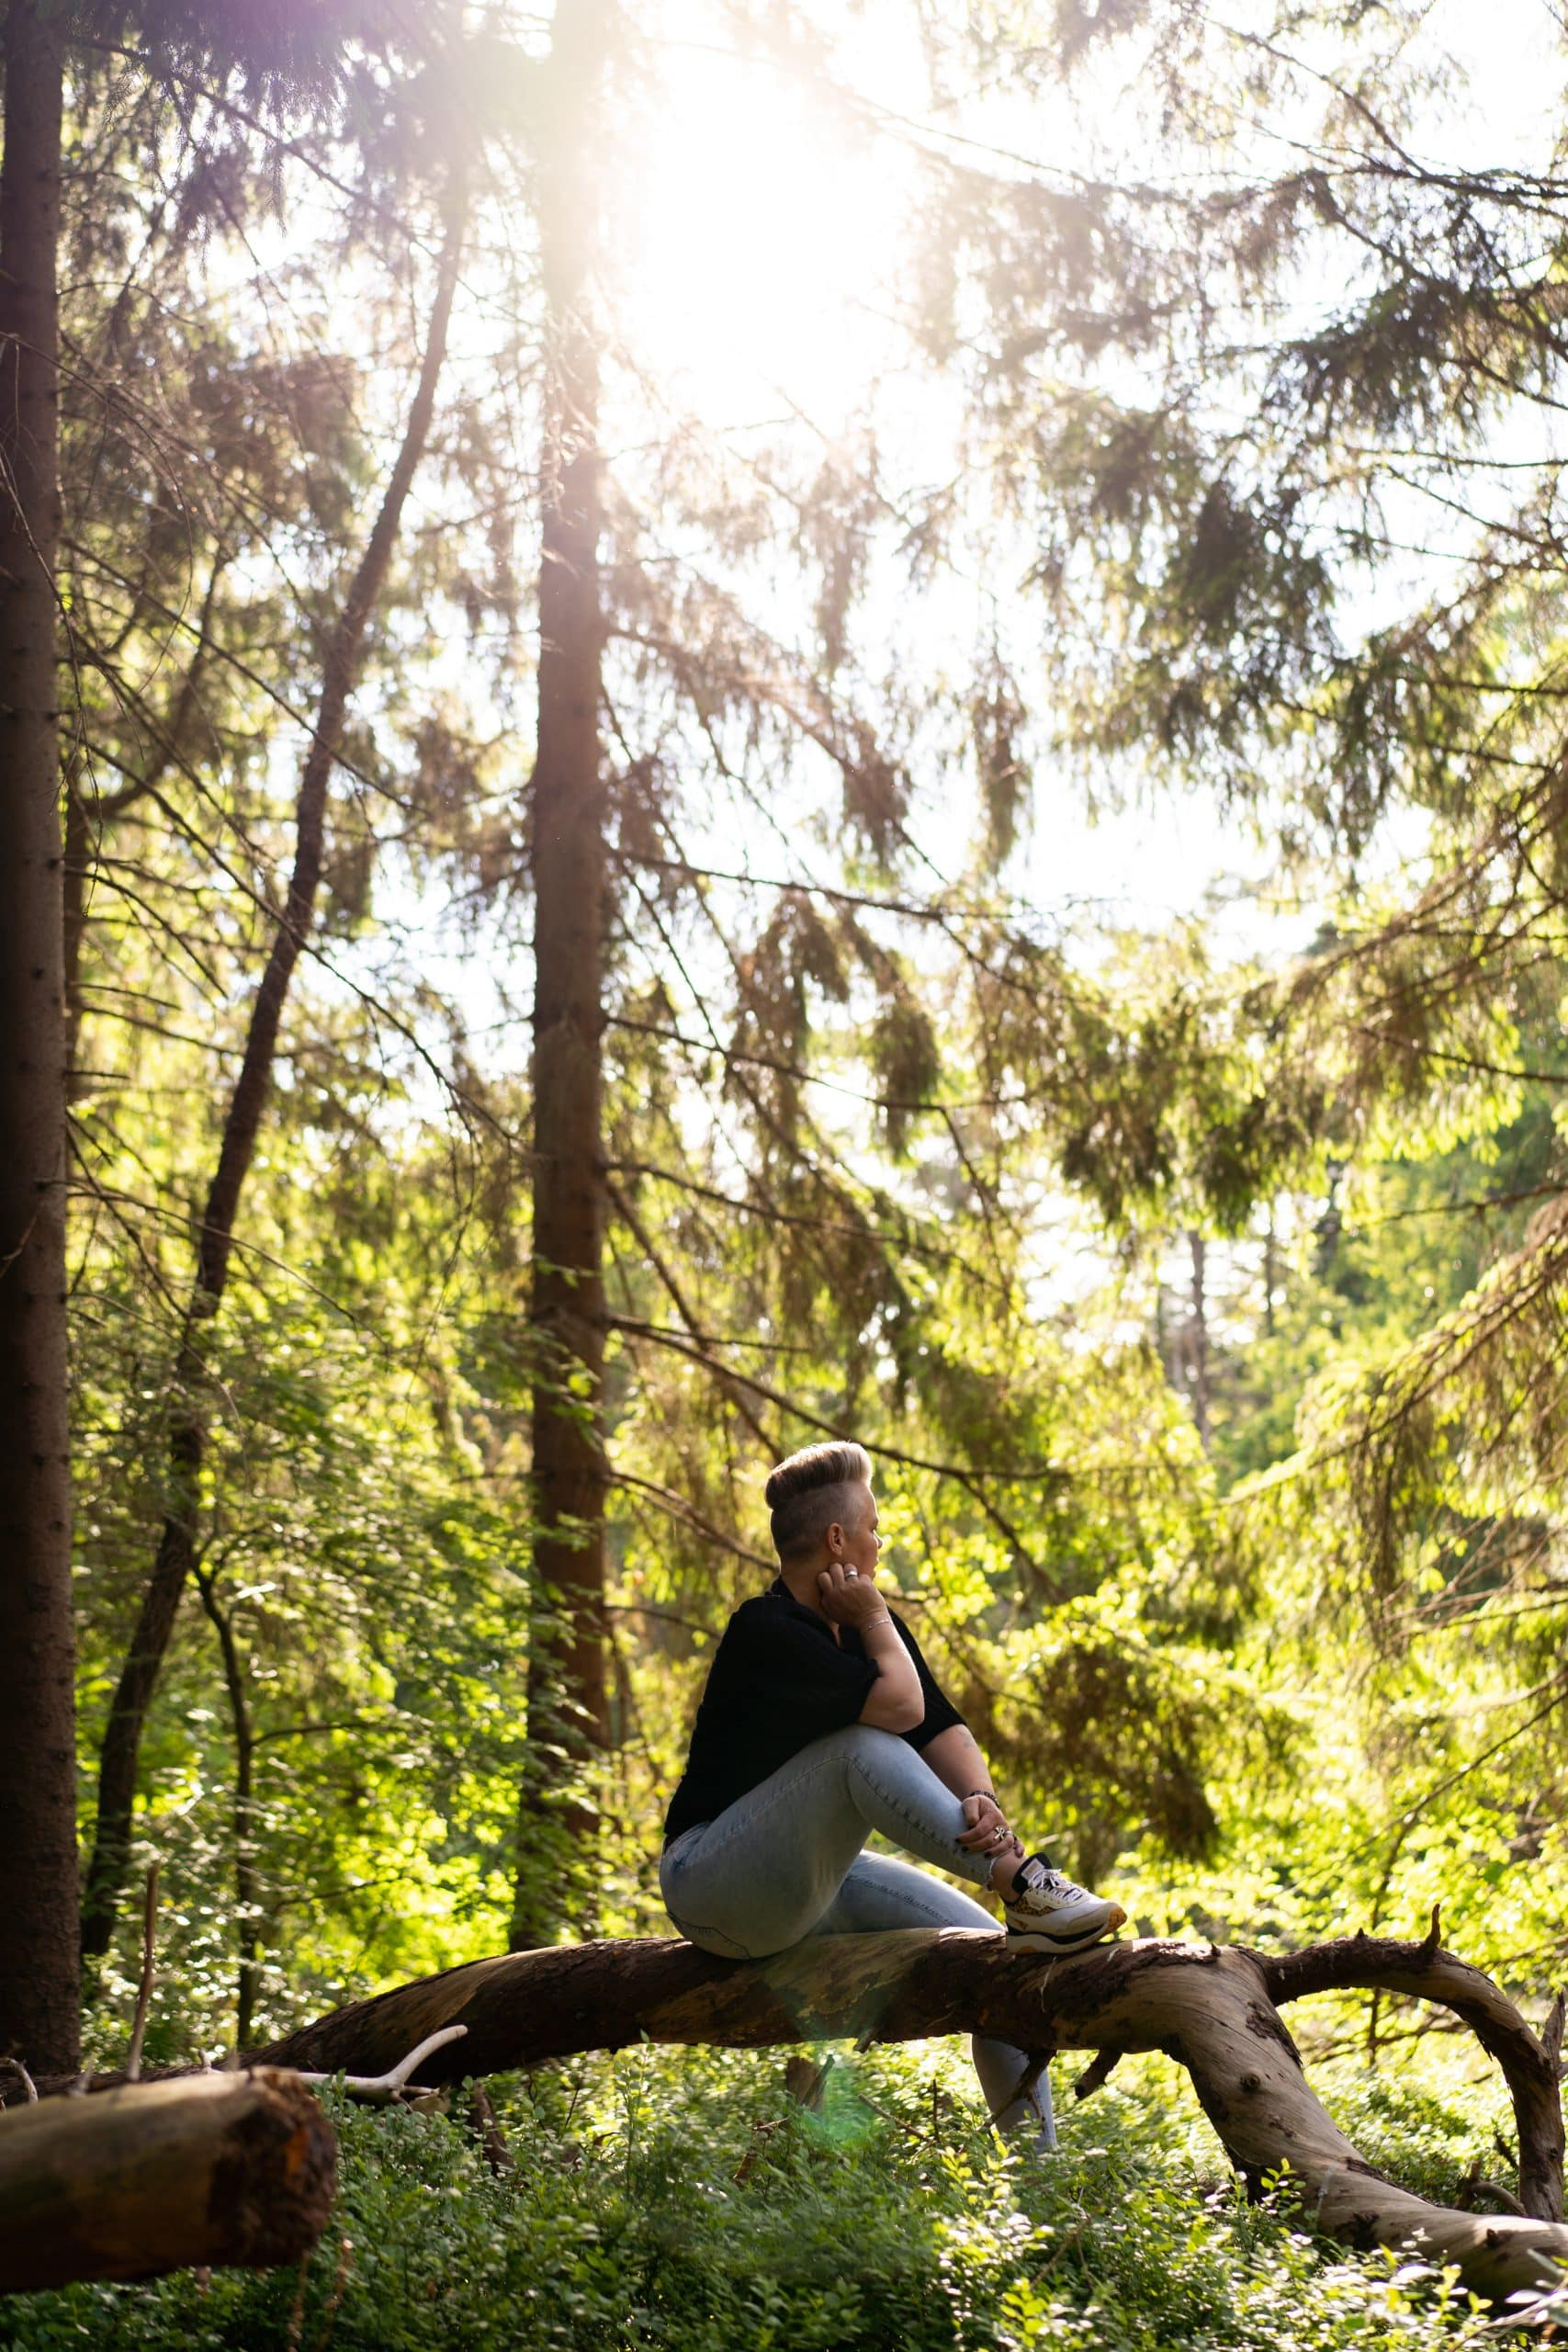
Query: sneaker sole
[[1085, 1937]]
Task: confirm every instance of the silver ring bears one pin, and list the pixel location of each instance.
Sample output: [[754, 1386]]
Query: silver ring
[[852, 1572]]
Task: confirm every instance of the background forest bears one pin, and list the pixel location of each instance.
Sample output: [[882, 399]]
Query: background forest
[[775, 722]]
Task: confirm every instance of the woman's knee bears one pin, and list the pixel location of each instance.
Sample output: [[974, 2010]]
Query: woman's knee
[[862, 1744]]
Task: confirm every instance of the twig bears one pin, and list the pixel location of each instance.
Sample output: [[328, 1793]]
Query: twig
[[1474, 2186], [481, 2115], [144, 1990], [382, 2090], [15, 2066], [1025, 2086], [1097, 2072], [296, 2316], [340, 2282]]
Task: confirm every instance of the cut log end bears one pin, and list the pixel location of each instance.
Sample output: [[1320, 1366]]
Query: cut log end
[[274, 2178], [235, 2170]]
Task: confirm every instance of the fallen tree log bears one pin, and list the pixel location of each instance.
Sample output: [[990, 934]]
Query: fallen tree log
[[1214, 2010], [1424, 1971], [223, 2169]]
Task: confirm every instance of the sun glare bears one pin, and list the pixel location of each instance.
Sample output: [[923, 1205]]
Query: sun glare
[[758, 246]]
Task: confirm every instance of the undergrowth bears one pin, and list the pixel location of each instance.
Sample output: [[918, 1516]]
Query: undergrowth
[[684, 2201]]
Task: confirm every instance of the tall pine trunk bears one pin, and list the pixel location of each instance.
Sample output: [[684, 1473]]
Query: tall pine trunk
[[187, 1440], [566, 1682], [38, 1757], [1198, 1331]]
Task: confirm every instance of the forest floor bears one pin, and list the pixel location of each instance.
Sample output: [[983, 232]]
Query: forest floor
[[683, 2201]]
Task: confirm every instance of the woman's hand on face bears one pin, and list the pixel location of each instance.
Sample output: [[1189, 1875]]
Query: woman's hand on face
[[846, 1597], [986, 1830]]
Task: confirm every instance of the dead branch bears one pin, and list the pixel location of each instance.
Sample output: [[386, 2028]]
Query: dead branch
[[385, 2090], [144, 1988], [1423, 1973], [1213, 2009]]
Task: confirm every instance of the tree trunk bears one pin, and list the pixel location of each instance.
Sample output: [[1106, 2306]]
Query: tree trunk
[[1200, 1328], [1270, 1270], [1214, 2010], [565, 1683], [74, 876], [247, 1882], [188, 1426], [38, 1762], [225, 2169]]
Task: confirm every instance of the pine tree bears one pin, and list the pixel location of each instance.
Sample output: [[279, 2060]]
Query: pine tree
[[38, 1769]]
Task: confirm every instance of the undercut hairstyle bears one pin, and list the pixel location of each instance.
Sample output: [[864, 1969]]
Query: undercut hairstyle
[[810, 1490]]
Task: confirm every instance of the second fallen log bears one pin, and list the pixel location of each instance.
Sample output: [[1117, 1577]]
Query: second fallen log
[[235, 2169]]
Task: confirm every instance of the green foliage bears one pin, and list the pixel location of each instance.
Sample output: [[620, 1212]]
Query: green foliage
[[1206, 1319], [685, 2203]]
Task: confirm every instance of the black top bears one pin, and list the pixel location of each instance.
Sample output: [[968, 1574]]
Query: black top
[[778, 1681]]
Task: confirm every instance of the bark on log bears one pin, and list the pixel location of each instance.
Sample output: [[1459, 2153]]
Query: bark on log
[[1212, 2009], [226, 2169], [1425, 1972]]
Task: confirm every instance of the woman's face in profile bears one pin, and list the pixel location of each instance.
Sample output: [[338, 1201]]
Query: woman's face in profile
[[857, 1546]]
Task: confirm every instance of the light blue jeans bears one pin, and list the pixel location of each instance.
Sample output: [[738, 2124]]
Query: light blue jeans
[[785, 1861]]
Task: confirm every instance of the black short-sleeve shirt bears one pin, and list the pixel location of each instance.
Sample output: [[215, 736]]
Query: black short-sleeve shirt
[[779, 1681]]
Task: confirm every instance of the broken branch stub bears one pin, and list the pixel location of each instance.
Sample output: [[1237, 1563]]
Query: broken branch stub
[[385, 2090]]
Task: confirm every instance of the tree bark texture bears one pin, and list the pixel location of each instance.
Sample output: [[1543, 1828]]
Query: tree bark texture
[[214, 1241], [37, 1763], [224, 2169], [247, 1880], [1199, 1360], [565, 1685], [1214, 2010]]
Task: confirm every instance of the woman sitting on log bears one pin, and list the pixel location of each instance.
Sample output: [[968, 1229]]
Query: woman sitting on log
[[821, 1721]]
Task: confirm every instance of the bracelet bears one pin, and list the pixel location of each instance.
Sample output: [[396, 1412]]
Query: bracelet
[[989, 1794]]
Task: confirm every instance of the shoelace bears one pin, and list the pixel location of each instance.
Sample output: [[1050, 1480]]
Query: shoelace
[[1063, 1889]]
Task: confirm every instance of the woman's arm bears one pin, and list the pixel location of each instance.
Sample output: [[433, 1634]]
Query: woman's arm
[[954, 1757], [897, 1703], [894, 1701]]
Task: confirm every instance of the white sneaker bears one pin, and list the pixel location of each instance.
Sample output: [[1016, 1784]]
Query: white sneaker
[[1046, 1904]]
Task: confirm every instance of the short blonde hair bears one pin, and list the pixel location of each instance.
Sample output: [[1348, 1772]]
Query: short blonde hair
[[807, 1493]]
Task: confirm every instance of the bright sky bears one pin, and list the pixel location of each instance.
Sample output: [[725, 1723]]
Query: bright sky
[[758, 257]]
